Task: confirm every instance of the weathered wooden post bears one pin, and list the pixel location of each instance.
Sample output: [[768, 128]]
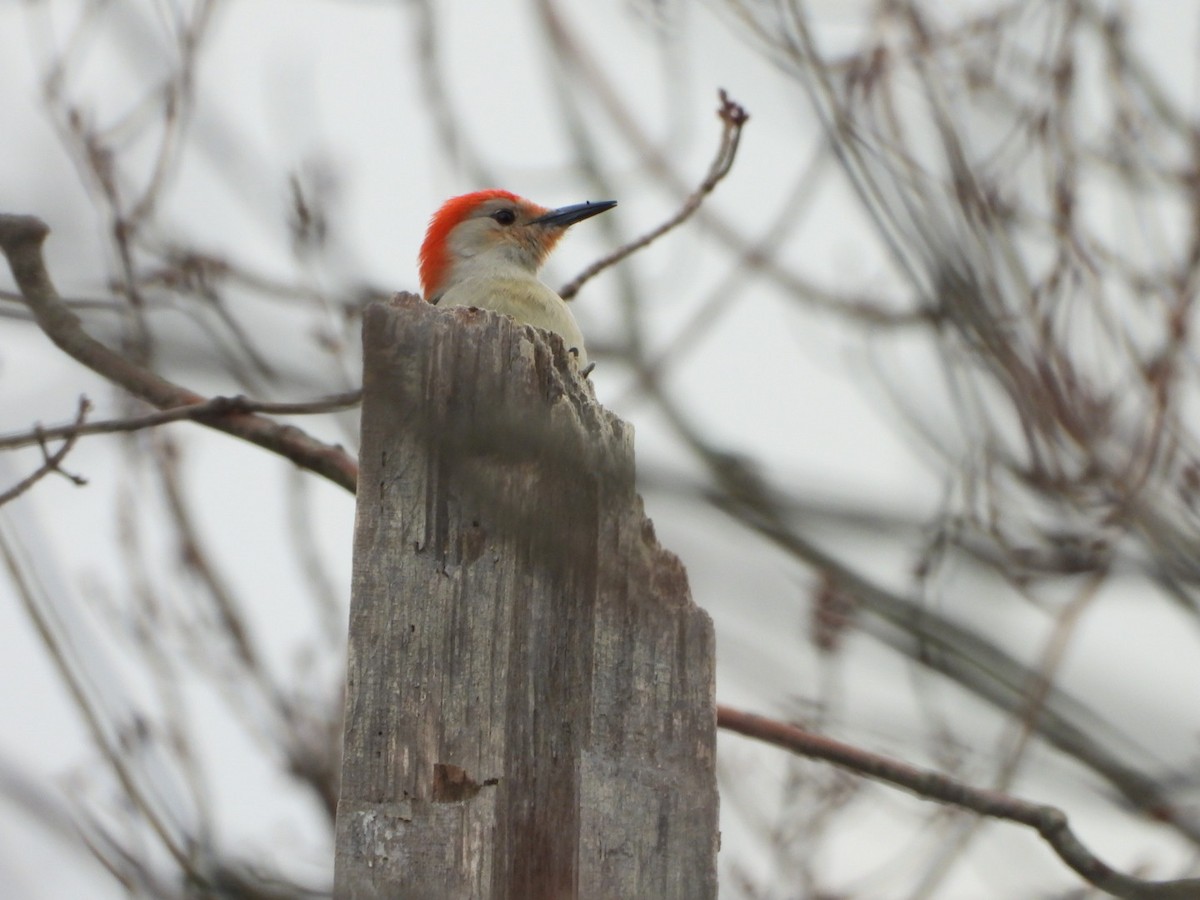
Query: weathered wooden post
[[530, 700]]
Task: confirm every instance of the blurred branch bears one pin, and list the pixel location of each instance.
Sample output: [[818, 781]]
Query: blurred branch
[[21, 239], [454, 144], [722, 297], [1049, 822], [111, 724], [21, 311], [929, 637], [974, 662]]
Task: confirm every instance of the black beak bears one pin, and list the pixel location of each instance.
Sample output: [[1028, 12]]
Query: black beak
[[569, 215]]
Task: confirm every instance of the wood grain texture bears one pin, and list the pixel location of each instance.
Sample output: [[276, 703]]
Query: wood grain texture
[[530, 697]]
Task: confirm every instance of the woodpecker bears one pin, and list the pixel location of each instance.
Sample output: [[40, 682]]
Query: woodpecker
[[484, 249]]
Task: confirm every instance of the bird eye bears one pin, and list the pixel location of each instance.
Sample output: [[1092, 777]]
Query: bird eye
[[504, 216]]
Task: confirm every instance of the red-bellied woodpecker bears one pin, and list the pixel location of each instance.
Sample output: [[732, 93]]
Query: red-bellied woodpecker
[[484, 249]]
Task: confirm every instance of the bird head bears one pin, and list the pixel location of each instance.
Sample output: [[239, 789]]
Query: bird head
[[493, 229]]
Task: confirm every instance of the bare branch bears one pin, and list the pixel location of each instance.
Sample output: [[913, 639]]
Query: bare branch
[[21, 239], [733, 118], [198, 412], [1049, 822]]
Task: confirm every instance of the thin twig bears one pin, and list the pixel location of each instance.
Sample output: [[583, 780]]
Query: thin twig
[[100, 722], [733, 118], [199, 412], [51, 462], [1049, 822]]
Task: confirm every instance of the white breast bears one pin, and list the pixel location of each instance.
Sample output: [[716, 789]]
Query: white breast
[[525, 299]]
